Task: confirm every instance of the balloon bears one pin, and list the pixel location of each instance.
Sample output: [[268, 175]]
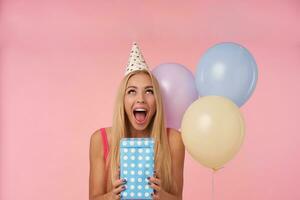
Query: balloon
[[229, 70], [213, 130], [178, 88]]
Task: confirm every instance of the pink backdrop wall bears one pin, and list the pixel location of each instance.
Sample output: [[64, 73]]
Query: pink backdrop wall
[[61, 62]]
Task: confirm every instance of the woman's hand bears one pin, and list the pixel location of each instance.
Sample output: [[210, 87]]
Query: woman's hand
[[155, 184], [118, 186]]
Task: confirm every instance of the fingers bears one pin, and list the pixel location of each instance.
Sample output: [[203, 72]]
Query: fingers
[[155, 181], [119, 189], [157, 174], [155, 187], [155, 196], [119, 182], [115, 196], [118, 185]]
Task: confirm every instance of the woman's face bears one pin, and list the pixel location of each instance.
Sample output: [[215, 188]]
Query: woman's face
[[139, 100]]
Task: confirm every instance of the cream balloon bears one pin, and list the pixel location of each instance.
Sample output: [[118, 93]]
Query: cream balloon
[[213, 130]]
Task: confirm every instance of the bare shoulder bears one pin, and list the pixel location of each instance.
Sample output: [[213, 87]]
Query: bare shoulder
[[174, 136], [96, 136], [96, 141], [96, 144], [175, 139]]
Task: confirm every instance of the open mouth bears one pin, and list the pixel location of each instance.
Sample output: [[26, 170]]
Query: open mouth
[[140, 115]]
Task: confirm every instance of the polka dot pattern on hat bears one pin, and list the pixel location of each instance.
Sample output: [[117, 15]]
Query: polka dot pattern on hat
[[136, 60]]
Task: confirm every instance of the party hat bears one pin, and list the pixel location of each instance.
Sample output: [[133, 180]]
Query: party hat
[[136, 60]]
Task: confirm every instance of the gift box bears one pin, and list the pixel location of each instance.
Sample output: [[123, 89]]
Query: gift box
[[136, 164]]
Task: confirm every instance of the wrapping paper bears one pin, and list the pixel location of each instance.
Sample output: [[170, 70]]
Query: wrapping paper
[[136, 164]]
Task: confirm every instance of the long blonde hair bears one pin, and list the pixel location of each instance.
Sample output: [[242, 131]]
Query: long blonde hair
[[158, 132]]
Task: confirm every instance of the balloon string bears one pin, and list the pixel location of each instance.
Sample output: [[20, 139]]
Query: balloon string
[[213, 185]]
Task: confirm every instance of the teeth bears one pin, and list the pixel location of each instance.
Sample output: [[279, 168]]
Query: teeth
[[140, 109]]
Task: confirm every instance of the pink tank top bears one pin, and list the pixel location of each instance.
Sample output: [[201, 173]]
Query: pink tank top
[[105, 141]]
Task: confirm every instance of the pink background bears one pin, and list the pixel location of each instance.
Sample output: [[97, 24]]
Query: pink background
[[61, 62]]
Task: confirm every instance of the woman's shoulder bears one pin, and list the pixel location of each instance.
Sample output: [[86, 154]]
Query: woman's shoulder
[[96, 141], [176, 145], [174, 136], [173, 133], [97, 133], [95, 145], [96, 138]]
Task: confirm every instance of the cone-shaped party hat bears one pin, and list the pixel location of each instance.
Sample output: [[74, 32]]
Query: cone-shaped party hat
[[136, 60]]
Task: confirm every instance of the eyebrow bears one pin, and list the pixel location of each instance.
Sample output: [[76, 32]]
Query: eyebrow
[[136, 87]]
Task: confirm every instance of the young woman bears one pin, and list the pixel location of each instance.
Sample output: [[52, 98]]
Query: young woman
[[138, 113]]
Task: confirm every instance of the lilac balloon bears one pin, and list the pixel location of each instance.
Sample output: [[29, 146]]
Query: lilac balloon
[[178, 88]]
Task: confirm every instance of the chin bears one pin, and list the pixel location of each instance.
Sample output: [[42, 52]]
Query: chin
[[140, 128]]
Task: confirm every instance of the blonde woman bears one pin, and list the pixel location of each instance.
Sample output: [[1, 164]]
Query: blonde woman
[[138, 113]]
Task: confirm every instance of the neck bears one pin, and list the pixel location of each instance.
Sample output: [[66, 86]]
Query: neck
[[133, 133]]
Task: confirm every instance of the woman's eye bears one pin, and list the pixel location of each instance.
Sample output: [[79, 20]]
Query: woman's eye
[[130, 92], [149, 91]]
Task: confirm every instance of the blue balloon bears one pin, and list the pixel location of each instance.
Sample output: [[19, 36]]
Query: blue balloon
[[229, 70]]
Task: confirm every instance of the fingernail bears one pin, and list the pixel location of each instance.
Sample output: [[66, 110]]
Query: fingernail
[[124, 187], [149, 183], [148, 177], [124, 180], [151, 194]]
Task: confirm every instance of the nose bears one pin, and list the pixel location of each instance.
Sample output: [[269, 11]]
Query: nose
[[140, 99]]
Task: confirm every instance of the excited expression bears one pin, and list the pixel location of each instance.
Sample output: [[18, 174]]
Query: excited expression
[[139, 101]]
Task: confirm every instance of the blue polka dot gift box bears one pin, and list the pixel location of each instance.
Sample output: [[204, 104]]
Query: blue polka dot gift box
[[136, 164]]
